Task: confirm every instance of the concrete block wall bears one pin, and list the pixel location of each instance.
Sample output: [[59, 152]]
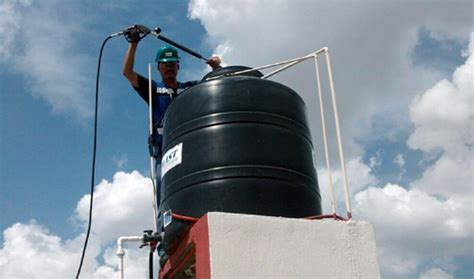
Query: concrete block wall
[[251, 246]]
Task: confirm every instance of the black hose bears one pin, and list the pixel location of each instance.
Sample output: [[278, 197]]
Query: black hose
[[93, 156], [150, 264]]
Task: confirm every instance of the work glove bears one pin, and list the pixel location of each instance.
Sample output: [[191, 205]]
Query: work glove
[[133, 34], [214, 62]]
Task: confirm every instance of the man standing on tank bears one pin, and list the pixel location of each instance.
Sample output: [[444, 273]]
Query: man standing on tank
[[168, 66], [163, 91]]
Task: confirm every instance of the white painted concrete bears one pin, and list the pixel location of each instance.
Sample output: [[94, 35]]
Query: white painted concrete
[[250, 246]]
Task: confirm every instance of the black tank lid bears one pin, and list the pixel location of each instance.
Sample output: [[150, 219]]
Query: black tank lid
[[225, 71]]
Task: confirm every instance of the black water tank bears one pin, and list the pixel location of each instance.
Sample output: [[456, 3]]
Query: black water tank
[[239, 144]]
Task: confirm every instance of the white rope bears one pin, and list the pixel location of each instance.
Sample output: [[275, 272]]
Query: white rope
[[152, 160], [338, 135], [323, 121]]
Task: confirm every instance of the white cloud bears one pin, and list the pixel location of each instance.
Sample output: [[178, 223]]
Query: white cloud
[[448, 177], [435, 273], [373, 76], [30, 251], [42, 45], [372, 73], [370, 57], [370, 48], [443, 115], [443, 118], [122, 207], [10, 20], [359, 177], [120, 161], [399, 160], [432, 220], [135, 262], [375, 161], [412, 227]]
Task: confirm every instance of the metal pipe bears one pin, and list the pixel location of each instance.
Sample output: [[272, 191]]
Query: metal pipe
[[152, 160], [120, 252], [173, 43], [325, 142], [338, 135]]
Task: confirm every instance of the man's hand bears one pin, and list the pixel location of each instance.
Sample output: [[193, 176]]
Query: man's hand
[[214, 62], [133, 35]]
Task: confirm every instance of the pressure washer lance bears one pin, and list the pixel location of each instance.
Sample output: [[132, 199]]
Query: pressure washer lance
[[142, 29], [157, 32]]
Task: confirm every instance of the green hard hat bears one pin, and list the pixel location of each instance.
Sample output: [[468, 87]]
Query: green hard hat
[[167, 53]]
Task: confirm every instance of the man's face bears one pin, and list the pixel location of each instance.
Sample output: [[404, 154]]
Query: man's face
[[168, 70]]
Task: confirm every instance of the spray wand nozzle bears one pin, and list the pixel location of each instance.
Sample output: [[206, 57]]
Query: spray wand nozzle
[[134, 32]]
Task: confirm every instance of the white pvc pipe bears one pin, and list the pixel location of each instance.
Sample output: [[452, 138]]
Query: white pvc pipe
[[323, 124], [338, 135], [289, 63], [293, 62], [152, 160], [120, 252], [282, 68], [299, 59]]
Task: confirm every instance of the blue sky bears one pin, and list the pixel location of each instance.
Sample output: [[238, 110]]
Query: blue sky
[[62, 142], [404, 95]]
